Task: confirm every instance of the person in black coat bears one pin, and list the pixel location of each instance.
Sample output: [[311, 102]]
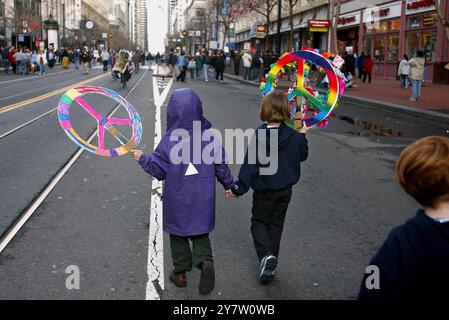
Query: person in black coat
[[220, 65], [413, 263]]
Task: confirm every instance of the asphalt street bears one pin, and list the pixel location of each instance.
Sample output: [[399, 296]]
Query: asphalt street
[[97, 216]]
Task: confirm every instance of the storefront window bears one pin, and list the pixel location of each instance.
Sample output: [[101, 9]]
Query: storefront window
[[411, 43], [393, 48], [367, 46], [429, 45], [429, 20], [379, 48], [383, 26], [395, 25], [414, 22]]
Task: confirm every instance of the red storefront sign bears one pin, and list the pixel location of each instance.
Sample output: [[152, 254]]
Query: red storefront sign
[[346, 20], [420, 4], [319, 23]]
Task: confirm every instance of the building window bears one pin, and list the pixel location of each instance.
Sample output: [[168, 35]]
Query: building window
[[367, 46], [411, 43], [429, 45], [395, 25], [379, 49], [430, 20], [393, 48], [414, 22]]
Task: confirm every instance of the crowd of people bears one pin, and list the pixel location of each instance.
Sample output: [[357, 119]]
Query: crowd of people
[[23, 61]]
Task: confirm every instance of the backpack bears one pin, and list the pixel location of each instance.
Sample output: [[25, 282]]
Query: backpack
[[191, 64]]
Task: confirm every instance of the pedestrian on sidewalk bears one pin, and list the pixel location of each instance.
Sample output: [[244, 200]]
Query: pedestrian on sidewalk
[[416, 74], [189, 191], [191, 66], [255, 65], [267, 62], [361, 63], [220, 66], [367, 68], [182, 66], [206, 65], [172, 62], [85, 60], [18, 57], [213, 64], [76, 58], [247, 59], [404, 71], [51, 58], [12, 60], [272, 193], [413, 263], [105, 59], [198, 66], [35, 62], [237, 58], [65, 58], [5, 58], [41, 62]]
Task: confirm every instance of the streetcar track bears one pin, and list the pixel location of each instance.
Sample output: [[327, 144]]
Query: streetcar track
[[9, 234], [36, 118], [33, 77]]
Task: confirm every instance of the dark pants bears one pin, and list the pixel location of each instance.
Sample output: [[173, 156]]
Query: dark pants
[[237, 67], [218, 73], [184, 258], [182, 75], [367, 74], [267, 221], [105, 65]]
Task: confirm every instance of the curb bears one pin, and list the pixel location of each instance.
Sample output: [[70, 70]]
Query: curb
[[371, 103]]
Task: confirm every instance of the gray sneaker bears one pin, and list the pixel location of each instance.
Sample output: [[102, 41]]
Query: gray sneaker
[[267, 267]]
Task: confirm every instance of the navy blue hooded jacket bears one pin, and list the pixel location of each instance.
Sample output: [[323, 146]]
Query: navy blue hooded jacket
[[292, 150], [413, 262]]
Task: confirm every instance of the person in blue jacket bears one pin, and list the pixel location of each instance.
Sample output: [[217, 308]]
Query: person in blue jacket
[[413, 263], [189, 190], [272, 192]]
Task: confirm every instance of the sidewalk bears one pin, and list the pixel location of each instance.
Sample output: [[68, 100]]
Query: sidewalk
[[388, 94]]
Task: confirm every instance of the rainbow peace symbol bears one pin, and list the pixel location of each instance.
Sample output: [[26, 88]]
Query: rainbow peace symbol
[[300, 58], [104, 124]]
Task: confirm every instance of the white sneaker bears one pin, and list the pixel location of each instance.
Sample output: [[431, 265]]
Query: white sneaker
[[267, 267]]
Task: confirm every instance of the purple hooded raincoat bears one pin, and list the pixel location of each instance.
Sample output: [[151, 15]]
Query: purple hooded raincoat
[[189, 200]]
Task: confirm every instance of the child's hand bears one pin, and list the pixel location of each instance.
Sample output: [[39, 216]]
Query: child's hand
[[229, 194], [136, 153], [304, 128]]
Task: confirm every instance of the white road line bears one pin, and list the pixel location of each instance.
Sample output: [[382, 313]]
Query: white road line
[[23, 218], [34, 77], [155, 263]]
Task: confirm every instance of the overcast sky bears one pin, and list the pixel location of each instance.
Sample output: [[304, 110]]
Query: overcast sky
[[157, 24]]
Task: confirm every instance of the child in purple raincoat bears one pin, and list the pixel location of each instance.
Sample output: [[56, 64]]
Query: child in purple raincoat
[[189, 191]]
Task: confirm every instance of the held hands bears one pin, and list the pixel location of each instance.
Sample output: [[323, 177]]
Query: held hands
[[229, 194], [136, 154]]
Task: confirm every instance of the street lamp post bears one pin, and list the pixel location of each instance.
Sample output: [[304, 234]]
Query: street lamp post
[[278, 27], [63, 23]]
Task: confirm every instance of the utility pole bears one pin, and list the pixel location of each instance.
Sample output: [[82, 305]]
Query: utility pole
[[278, 28], [63, 23]]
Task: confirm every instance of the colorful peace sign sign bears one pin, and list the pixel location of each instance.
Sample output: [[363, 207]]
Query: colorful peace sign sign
[[301, 91], [104, 124]]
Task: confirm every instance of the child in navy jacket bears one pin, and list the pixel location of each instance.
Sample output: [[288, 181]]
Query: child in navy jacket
[[273, 191], [413, 263]]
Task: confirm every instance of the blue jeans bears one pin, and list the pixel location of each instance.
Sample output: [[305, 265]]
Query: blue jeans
[[41, 68], [246, 73], [197, 71], [21, 67], [7, 64], [206, 72], [404, 80], [254, 73], [416, 89]]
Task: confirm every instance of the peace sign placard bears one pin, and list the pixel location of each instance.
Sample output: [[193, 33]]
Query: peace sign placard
[[300, 91], [104, 124]]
